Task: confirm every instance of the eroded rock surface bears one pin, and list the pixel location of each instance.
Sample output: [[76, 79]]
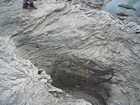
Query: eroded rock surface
[[20, 83], [81, 76], [58, 28]]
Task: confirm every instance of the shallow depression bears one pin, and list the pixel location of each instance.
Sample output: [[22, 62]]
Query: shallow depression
[[81, 80]]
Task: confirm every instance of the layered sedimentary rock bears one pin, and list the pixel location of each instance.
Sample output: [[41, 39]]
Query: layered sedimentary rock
[[81, 76], [20, 81], [56, 29], [21, 84]]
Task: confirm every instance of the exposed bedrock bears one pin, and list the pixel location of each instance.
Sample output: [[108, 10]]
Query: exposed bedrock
[[58, 29], [72, 30], [20, 83], [82, 78], [98, 4]]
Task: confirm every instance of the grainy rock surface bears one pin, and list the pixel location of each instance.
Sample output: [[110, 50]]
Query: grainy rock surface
[[60, 28], [20, 82]]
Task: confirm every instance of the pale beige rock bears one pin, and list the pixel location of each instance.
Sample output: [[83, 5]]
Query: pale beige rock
[[57, 28]]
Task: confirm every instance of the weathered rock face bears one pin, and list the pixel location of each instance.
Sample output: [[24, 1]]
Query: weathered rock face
[[60, 29], [98, 4], [82, 77], [20, 82], [93, 3], [57, 29]]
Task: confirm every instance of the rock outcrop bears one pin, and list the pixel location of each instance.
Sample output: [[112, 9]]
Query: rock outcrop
[[20, 83], [56, 29]]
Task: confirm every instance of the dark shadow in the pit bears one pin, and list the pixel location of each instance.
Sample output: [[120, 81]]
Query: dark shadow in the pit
[[90, 81]]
